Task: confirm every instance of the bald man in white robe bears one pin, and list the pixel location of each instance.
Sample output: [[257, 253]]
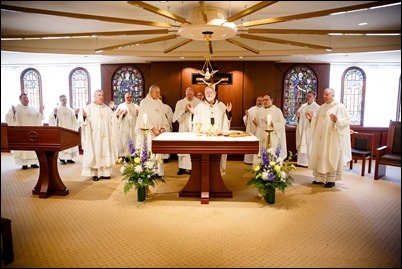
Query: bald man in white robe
[[331, 135], [66, 117], [277, 125], [183, 115], [152, 107]]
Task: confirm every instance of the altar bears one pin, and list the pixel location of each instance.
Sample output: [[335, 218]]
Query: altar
[[205, 180]]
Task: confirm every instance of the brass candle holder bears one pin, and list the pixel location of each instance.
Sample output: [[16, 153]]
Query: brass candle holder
[[269, 130], [144, 130]]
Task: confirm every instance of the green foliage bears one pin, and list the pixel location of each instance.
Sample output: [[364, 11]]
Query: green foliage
[[140, 170], [272, 171]]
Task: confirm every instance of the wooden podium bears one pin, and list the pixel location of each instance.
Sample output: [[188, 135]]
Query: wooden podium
[[46, 141], [205, 180]]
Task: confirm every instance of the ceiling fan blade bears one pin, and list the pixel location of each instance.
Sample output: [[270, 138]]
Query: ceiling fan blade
[[286, 42], [84, 16], [250, 10], [140, 42], [317, 13], [244, 46], [88, 34], [203, 9], [158, 11], [323, 32], [178, 45]]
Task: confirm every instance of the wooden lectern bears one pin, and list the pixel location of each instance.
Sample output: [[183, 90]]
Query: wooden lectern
[[46, 141]]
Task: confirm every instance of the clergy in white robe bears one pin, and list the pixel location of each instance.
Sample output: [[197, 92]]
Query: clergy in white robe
[[66, 117], [331, 141], [214, 116], [277, 125], [127, 114], [250, 127], [303, 130], [99, 139], [151, 116], [183, 115], [25, 115]]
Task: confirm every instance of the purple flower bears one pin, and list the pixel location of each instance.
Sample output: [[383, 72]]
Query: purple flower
[[144, 154], [278, 150], [131, 146], [264, 157]]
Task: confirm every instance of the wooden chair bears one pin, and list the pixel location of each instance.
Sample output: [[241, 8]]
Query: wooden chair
[[391, 153], [362, 149]]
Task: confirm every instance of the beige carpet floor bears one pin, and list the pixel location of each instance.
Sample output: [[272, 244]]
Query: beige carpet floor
[[355, 224]]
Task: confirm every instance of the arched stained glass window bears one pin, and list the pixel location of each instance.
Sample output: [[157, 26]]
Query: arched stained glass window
[[127, 79], [79, 80], [298, 81], [31, 84], [353, 94]]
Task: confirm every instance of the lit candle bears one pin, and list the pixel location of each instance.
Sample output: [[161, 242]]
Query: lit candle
[[145, 119], [269, 120]]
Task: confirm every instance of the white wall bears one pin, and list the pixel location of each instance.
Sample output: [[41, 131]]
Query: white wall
[[54, 83], [382, 82]]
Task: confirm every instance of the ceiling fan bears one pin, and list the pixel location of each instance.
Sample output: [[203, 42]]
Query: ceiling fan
[[205, 23]]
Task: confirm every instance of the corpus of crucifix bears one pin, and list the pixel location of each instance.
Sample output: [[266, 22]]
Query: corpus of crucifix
[[209, 77]]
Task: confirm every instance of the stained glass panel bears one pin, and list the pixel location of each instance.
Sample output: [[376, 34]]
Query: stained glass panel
[[297, 83], [31, 85], [80, 88], [353, 84], [127, 79]]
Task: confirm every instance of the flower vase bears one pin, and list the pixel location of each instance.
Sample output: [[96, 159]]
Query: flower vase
[[270, 195], [141, 194]]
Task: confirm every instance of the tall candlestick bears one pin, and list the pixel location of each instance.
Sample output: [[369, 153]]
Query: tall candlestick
[[269, 120], [145, 119]]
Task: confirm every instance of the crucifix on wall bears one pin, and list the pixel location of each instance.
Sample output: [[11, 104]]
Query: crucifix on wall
[[219, 78]]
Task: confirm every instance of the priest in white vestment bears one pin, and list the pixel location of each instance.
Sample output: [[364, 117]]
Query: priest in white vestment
[[152, 117], [270, 116], [127, 113], [303, 130], [25, 115], [183, 115], [214, 116], [66, 117], [250, 127], [99, 139], [331, 141]]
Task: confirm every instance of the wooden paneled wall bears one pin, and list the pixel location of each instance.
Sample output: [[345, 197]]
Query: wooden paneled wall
[[250, 79]]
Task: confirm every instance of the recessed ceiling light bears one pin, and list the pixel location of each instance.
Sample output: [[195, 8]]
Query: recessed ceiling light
[[362, 23]]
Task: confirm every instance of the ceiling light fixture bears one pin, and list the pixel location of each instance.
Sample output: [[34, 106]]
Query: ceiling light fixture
[[216, 23]]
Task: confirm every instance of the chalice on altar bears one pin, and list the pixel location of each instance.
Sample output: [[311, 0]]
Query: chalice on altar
[[198, 125], [209, 127]]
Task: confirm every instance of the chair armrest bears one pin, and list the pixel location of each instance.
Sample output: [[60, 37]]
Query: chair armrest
[[380, 151]]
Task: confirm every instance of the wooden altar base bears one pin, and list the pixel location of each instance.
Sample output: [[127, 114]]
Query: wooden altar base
[[207, 168]]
